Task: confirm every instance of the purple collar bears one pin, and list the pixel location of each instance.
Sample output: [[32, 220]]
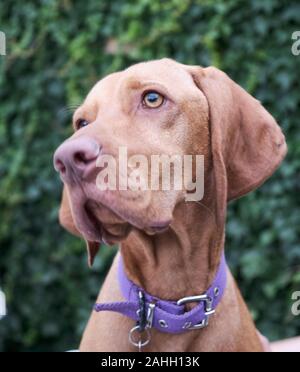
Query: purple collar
[[167, 316]]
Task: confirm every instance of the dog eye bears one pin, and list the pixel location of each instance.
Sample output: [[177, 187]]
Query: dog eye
[[153, 99], [80, 123]]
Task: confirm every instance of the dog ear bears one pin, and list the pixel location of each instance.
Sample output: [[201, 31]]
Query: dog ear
[[67, 221], [246, 142]]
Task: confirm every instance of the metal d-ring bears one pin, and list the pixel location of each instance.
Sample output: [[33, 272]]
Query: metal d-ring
[[139, 343]]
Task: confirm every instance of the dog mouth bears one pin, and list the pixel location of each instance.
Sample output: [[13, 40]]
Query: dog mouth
[[97, 227], [99, 224], [106, 217]]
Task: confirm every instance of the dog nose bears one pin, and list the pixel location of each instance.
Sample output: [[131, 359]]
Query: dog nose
[[75, 158]]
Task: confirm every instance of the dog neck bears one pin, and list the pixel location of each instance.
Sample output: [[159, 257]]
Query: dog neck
[[180, 262]]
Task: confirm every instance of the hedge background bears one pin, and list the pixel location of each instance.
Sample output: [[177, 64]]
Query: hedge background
[[56, 51]]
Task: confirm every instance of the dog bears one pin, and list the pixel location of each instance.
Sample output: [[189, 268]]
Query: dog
[[169, 247]]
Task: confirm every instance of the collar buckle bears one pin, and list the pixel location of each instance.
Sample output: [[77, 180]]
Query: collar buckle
[[207, 306]]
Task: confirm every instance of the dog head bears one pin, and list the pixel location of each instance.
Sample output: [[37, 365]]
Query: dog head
[[152, 109]]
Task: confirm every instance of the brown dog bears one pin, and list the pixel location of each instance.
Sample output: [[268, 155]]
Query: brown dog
[[170, 247]]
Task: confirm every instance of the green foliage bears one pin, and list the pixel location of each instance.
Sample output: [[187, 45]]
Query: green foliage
[[56, 51]]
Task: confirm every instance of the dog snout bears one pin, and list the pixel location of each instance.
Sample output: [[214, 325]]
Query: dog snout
[[75, 158]]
